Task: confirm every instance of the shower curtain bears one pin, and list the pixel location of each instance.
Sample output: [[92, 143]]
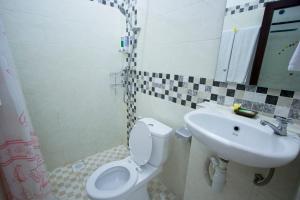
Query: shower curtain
[[21, 164]]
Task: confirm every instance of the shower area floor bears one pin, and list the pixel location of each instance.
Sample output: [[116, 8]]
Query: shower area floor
[[69, 183]]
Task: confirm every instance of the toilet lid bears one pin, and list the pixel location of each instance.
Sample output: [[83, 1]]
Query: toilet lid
[[140, 143]]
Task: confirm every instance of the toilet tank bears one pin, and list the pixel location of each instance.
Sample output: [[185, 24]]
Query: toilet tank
[[160, 141]]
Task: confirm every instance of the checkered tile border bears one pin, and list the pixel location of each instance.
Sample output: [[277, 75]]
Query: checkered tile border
[[130, 11], [190, 90], [112, 3], [247, 6]]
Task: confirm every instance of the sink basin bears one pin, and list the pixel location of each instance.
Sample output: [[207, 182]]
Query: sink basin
[[240, 139]]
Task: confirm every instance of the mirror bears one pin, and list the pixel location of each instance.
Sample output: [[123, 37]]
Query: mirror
[[258, 41], [282, 42]]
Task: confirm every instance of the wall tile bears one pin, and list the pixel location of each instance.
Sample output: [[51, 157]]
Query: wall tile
[[246, 7], [296, 104], [189, 92]]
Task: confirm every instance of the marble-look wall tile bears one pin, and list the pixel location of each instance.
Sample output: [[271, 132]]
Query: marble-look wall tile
[[190, 90]]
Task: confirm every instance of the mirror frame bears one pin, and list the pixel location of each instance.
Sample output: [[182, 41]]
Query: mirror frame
[[264, 34]]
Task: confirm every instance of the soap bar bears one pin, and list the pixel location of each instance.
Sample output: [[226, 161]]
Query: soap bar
[[246, 113]]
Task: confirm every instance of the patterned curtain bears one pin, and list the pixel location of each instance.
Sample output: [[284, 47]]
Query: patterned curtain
[[21, 163]]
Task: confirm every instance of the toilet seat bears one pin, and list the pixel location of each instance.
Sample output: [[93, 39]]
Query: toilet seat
[[140, 143], [112, 180]]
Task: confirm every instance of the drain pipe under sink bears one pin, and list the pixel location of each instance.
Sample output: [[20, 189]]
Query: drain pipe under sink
[[216, 170]]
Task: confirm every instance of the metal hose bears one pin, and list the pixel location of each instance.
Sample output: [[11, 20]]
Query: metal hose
[[259, 180]]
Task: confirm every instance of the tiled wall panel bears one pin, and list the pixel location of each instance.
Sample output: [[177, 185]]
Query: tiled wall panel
[[190, 90], [247, 7]]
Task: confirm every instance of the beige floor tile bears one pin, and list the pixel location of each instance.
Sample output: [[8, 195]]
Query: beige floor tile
[[70, 185]]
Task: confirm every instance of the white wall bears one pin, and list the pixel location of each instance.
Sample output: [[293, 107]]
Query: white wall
[[64, 51], [181, 37], [178, 37]]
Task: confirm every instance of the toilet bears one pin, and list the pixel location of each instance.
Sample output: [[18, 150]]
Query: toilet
[[127, 179]]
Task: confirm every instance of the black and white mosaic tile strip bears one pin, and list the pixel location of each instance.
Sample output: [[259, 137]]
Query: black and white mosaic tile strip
[[131, 13], [112, 3], [190, 90], [247, 7]]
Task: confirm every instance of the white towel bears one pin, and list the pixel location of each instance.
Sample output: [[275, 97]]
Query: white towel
[[294, 64], [224, 55], [242, 55]]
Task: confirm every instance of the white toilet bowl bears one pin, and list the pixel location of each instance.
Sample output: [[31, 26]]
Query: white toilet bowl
[[112, 180], [120, 180], [127, 179]]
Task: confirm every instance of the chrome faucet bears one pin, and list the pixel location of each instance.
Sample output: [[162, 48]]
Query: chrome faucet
[[281, 129]]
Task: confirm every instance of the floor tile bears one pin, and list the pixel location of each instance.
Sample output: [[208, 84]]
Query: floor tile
[[70, 185]]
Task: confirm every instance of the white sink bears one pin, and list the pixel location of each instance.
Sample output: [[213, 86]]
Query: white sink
[[241, 139]]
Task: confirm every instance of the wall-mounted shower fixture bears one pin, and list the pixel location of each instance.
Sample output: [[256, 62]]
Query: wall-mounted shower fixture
[[133, 38]]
